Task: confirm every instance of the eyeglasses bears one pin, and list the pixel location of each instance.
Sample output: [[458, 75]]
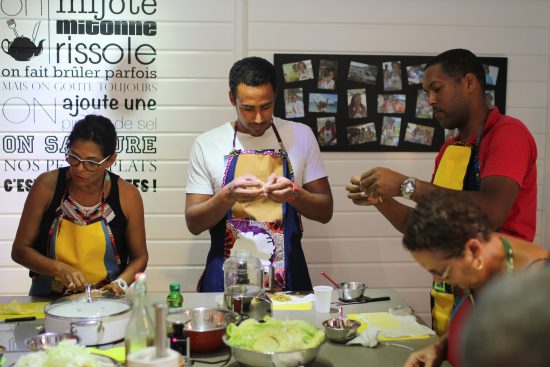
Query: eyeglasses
[[446, 272], [89, 165]]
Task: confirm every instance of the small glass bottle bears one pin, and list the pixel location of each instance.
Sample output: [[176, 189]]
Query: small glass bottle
[[140, 332], [175, 298]]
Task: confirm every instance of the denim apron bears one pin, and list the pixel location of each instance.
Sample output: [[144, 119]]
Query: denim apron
[[271, 231]]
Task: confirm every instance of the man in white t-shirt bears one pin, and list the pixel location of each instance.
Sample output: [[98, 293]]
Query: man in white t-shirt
[[250, 180]]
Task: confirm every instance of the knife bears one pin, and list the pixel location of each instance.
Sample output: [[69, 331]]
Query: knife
[[18, 319]]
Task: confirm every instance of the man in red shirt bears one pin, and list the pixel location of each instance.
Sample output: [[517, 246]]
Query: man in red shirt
[[498, 163]]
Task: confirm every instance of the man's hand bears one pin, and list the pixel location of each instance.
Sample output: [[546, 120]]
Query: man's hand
[[431, 356], [358, 196], [382, 182], [278, 188], [247, 188]]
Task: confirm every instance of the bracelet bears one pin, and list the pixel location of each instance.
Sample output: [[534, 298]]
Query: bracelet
[[294, 194]]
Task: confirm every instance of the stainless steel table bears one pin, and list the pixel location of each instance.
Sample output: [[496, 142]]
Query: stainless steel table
[[12, 336]]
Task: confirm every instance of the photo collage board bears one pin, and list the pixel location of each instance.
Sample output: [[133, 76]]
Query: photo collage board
[[369, 102]]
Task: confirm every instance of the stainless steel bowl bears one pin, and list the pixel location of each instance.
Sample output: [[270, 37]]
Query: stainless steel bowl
[[352, 291], [341, 330], [269, 359], [48, 340]]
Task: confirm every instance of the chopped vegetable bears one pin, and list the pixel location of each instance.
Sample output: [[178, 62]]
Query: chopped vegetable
[[67, 354], [274, 335]]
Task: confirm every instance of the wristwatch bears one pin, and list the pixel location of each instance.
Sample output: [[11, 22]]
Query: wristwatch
[[121, 283], [408, 187]]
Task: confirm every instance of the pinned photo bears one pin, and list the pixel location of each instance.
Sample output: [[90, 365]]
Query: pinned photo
[[391, 103], [327, 74], [490, 98], [323, 102], [423, 108], [392, 75], [294, 103], [391, 128], [360, 134], [357, 103], [419, 134], [326, 131], [296, 71], [362, 73], [415, 74], [491, 74], [450, 134]]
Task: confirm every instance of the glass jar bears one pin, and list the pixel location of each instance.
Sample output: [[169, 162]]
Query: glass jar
[[243, 280]]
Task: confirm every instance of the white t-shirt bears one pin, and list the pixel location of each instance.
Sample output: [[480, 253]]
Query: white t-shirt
[[207, 160]]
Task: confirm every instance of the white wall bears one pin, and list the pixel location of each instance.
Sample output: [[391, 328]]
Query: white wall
[[197, 43]]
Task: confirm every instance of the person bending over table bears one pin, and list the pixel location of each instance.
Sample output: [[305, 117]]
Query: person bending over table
[[82, 223], [448, 235]]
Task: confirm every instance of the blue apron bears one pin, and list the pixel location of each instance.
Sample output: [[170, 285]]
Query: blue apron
[[274, 228]]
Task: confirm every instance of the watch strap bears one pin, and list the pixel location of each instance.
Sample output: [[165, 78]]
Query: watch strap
[[121, 283]]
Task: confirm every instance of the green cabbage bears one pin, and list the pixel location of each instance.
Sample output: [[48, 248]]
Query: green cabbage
[[274, 335]]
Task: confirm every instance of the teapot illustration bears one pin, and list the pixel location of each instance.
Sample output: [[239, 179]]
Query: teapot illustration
[[22, 48]]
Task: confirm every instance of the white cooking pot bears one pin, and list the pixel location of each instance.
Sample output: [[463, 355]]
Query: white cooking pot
[[101, 321]]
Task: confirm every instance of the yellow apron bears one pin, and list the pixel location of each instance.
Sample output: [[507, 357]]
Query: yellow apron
[[452, 174]]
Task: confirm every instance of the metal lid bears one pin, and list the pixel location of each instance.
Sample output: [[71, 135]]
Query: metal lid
[[77, 306]]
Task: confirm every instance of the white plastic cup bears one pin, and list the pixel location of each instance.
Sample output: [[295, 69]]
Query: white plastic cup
[[323, 297]]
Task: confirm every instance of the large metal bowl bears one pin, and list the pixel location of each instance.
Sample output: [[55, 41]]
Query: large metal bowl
[[48, 340], [273, 359]]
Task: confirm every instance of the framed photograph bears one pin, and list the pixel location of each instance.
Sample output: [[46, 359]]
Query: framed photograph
[[449, 134], [369, 103], [357, 103], [419, 134], [392, 75], [323, 102], [391, 103], [362, 73], [490, 98], [298, 71], [491, 74], [415, 74], [361, 134], [326, 131], [423, 108], [327, 74], [391, 128], [294, 103]]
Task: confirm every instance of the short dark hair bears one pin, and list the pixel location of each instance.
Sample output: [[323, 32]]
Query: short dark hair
[[97, 129], [458, 62], [252, 71], [513, 314], [444, 221]]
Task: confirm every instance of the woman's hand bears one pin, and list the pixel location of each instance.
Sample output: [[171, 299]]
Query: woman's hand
[[114, 288], [71, 278], [431, 356]]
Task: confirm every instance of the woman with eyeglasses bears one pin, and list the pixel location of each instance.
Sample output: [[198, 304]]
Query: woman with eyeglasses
[[449, 236], [82, 224]]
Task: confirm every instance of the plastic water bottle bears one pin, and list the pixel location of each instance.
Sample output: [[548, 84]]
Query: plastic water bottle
[[175, 298]]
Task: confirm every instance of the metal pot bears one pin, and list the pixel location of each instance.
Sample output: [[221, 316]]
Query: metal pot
[[352, 291], [205, 326], [101, 321]]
